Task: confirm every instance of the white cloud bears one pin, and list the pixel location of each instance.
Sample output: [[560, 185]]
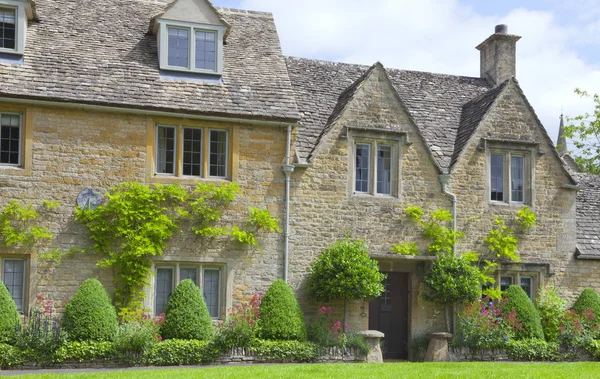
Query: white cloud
[[440, 36]]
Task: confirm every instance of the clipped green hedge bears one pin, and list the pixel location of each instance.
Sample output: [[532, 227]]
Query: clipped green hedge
[[10, 356], [9, 317], [527, 314], [532, 350], [85, 350], [289, 351], [90, 315], [588, 299], [186, 315], [280, 315], [175, 352]]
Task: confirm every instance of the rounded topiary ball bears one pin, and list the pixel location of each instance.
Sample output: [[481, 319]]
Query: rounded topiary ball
[[9, 317], [588, 299], [526, 312], [280, 315], [186, 315], [90, 315]]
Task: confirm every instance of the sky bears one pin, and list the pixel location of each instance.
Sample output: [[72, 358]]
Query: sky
[[558, 52]]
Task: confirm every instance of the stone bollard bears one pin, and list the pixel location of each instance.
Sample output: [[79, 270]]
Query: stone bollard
[[437, 351], [373, 338]]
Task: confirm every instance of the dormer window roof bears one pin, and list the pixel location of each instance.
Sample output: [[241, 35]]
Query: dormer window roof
[[190, 36], [13, 25]]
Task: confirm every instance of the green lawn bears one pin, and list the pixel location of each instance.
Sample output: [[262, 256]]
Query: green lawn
[[386, 370]]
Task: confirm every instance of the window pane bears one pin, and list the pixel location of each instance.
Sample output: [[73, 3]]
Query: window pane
[[178, 51], [10, 138], [192, 151], [8, 28], [517, 178], [384, 170], [210, 288], [165, 150], [505, 282], [527, 285], [497, 177], [218, 153], [13, 277], [164, 287], [362, 156], [189, 273], [206, 45]]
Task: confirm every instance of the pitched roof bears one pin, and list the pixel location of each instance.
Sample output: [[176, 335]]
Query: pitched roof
[[472, 114], [433, 100], [99, 52], [588, 215]]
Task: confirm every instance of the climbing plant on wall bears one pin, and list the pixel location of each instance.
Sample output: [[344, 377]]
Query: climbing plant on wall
[[19, 225], [457, 278], [137, 220]]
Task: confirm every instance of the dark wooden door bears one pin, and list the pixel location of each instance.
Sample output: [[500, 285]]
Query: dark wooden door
[[389, 314]]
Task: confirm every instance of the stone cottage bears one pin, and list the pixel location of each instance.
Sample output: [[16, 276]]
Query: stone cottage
[[94, 94]]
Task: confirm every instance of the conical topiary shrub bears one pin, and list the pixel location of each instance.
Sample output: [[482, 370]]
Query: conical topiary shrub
[[9, 317], [588, 299], [280, 315], [186, 315], [90, 315], [517, 299]]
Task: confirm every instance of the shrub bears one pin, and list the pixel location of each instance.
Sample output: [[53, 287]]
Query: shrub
[[578, 330], [289, 351], [351, 340], [280, 315], [134, 337], [10, 356], [9, 317], [85, 350], [322, 329], [483, 325], [180, 352], [90, 315], [552, 310], [518, 301], [588, 299], [42, 335], [240, 326], [532, 350], [186, 315]]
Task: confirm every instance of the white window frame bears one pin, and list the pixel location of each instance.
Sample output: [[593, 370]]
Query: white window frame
[[226, 153], [25, 277], [163, 41], [528, 176], [183, 128], [201, 267], [175, 142], [375, 143], [22, 9], [21, 145]]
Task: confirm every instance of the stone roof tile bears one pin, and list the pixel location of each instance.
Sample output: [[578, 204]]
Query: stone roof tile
[[588, 214]]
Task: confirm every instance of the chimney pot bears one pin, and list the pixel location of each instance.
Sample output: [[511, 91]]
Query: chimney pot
[[501, 29]]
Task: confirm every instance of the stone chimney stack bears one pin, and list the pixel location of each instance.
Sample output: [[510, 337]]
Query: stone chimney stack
[[498, 55]]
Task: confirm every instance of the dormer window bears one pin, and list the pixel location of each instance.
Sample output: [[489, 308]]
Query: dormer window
[[190, 37], [13, 25]]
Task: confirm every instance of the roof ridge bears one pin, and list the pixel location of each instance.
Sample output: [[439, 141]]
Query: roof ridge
[[438, 74], [245, 12]]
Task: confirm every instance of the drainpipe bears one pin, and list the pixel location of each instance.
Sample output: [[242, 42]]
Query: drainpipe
[[287, 169], [444, 181]]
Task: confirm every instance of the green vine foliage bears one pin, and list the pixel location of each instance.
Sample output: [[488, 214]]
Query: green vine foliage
[[136, 222], [18, 225]]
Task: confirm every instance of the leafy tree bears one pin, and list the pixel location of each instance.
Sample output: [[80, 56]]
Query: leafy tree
[[9, 317], [584, 130], [280, 315], [186, 315], [452, 280], [90, 315], [345, 271]]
